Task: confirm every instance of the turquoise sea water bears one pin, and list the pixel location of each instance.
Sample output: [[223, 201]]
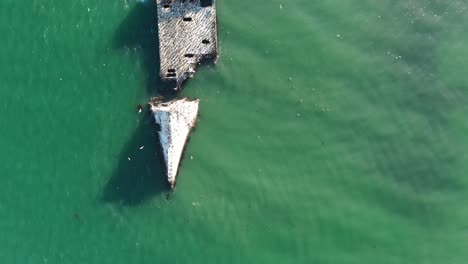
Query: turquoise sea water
[[330, 132]]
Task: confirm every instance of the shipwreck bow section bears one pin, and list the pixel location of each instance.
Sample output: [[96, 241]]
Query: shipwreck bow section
[[176, 119], [187, 35]]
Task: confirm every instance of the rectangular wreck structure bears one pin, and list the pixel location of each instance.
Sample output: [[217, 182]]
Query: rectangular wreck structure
[[187, 35]]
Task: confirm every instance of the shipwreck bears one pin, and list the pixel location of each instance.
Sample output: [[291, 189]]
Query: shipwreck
[[187, 31], [176, 119]]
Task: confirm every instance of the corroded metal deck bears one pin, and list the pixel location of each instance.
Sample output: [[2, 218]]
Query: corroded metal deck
[[187, 35]]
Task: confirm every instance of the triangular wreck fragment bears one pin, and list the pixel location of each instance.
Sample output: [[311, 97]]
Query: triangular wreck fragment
[[176, 119]]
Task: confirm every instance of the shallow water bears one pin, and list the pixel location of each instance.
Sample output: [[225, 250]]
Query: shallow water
[[329, 132]]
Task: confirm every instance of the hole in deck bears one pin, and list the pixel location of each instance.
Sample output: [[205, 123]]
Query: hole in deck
[[171, 75], [205, 41], [205, 3], [187, 19], [189, 55], [171, 70], [166, 6]]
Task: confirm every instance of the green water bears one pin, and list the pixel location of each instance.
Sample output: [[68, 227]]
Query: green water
[[330, 132]]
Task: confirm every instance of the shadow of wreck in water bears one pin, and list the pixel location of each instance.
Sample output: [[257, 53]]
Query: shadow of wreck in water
[[141, 173], [139, 32]]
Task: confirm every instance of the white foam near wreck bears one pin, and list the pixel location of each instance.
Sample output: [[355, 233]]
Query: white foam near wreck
[[176, 119]]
